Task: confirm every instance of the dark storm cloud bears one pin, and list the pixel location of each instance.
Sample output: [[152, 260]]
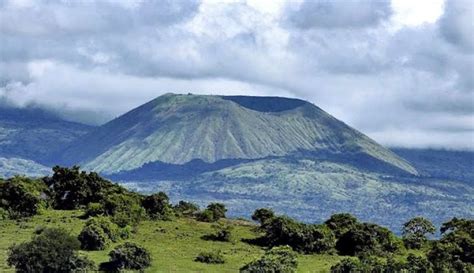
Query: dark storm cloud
[[412, 86], [339, 14]]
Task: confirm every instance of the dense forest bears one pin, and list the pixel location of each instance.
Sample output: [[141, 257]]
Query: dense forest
[[111, 215]]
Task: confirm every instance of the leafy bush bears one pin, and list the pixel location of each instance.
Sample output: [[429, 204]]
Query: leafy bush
[[53, 250], [127, 256], [93, 237], [210, 258], [110, 229], [278, 259], [213, 213], [186, 208], [301, 237], [367, 239], [341, 223], [347, 265], [157, 206], [94, 209], [22, 197], [124, 209], [263, 215]]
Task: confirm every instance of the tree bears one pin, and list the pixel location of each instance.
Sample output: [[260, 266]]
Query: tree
[[263, 215], [218, 210], [127, 256], [22, 197], [157, 206], [212, 213], [52, 251], [279, 260], [301, 237], [186, 208], [341, 223], [367, 239], [415, 230]]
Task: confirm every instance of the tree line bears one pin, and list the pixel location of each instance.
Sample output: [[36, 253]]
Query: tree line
[[112, 212]]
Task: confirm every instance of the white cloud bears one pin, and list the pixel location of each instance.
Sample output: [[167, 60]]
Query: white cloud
[[382, 68]]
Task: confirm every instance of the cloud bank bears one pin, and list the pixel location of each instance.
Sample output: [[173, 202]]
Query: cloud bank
[[402, 84]]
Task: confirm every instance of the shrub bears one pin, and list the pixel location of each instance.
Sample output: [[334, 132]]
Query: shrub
[[22, 197], [127, 256], [263, 215], [218, 210], [341, 223], [93, 237], [210, 258], [367, 239], [124, 209], [278, 259], [206, 216], [53, 250], [347, 265], [301, 237], [157, 206], [186, 208], [110, 229], [94, 209], [223, 233]]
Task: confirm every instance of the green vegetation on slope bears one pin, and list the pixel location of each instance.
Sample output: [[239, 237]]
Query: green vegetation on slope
[[132, 231], [180, 128]]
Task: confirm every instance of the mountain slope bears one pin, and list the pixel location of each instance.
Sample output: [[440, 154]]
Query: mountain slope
[[35, 134], [177, 129]]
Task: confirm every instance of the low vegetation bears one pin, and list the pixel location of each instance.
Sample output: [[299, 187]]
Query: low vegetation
[[101, 225]]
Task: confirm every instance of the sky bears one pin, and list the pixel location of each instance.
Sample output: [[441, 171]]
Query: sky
[[400, 71]]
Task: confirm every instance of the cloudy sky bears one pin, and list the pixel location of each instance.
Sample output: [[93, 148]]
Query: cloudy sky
[[400, 71]]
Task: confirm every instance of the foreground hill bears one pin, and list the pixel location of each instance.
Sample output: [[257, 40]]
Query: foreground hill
[[177, 129], [35, 134]]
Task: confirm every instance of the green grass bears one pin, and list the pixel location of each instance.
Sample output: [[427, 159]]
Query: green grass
[[173, 244]]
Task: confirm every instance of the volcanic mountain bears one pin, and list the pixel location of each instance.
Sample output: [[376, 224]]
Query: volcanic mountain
[[179, 129]]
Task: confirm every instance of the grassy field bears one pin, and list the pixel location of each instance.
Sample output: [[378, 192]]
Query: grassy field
[[173, 244]]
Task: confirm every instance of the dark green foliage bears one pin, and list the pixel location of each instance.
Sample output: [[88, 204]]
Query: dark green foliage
[[347, 266], [455, 250], [278, 260], [301, 237], [263, 215], [212, 213], [124, 209], [217, 209], [127, 256], [367, 239], [417, 264], [210, 258], [157, 206], [93, 237], [341, 223], [22, 197], [98, 232], [415, 230], [186, 208], [94, 209], [53, 250], [73, 188]]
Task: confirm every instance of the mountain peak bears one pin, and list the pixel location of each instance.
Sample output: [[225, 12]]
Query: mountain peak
[[176, 129]]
